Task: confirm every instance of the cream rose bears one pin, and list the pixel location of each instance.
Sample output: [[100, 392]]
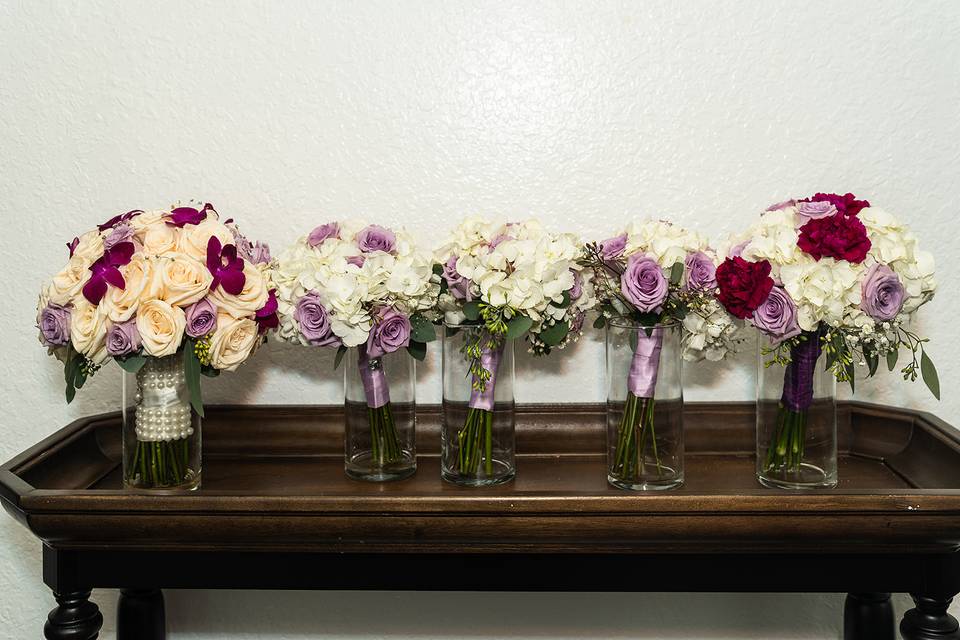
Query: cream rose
[[88, 331], [122, 304], [90, 246], [161, 327], [183, 280], [160, 239], [253, 297], [68, 284], [232, 342], [141, 223], [195, 238]]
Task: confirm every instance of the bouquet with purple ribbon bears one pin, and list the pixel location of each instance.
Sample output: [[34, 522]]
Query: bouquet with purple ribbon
[[828, 276], [653, 275], [504, 282], [352, 285]]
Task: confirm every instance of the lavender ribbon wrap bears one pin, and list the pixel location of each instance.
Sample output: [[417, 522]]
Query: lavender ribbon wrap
[[645, 366], [374, 379], [798, 376], [489, 360]]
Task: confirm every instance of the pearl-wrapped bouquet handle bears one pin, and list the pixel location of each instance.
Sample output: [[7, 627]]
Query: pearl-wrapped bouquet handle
[[163, 411]]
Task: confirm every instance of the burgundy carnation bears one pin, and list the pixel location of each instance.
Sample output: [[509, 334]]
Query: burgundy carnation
[[743, 285], [840, 236], [846, 204]]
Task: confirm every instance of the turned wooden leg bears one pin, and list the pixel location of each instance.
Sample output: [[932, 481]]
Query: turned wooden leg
[[868, 616], [141, 615], [929, 620], [76, 618]]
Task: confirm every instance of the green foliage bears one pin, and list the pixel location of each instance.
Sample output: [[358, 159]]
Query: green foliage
[[518, 326], [421, 329], [553, 335], [338, 359], [417, 350]]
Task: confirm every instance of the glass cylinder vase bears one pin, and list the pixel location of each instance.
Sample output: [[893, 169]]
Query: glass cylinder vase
[[796, 418], [479, 414], [381, 416], [644, 406], [161, 430]]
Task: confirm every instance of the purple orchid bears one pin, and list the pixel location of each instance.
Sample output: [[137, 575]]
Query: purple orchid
[[182, 216], [106, 271], [72, 246], [267, 317], [115, 220], [225, 266]]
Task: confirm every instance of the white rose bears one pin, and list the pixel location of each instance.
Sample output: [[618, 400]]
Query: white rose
[[160, 239], [122, 304], [144, 221], [253, 297], [184, 281], [161, 326], [68, 284], [232, 342], [195, 238], [88, 331]]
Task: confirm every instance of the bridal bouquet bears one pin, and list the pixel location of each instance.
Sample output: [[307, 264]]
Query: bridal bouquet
[[828, 275], [146, 286], [651, 276], [355, 285], [503, 282]]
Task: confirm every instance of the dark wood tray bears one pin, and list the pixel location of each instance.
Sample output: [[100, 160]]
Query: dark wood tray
[[273, 478]]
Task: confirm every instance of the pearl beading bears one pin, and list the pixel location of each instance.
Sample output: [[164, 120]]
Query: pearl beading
[[163, 401]]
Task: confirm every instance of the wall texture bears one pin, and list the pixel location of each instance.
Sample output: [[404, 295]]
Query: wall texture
[[287, 114]]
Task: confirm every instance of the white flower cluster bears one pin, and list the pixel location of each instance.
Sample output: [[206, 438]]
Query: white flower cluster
[[355, 270], [829, 290], [140, 282], [517, 266]]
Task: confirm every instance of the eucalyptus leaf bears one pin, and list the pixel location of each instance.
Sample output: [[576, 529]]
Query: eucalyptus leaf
[[341, 351], [873, 362], [517, 327], [554, 334], [421, 329], [600, 322], [892, 357], [563, 304], [676, 273], [191, 369], [471, 311], [437, 269], [929, 373], [417, 350], [132, 364], [852, 376]]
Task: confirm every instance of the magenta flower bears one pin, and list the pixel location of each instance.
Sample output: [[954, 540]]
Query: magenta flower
[[115, 220], [267, 317], [182, 216], [106, 272], [72, 246], [225, 266]]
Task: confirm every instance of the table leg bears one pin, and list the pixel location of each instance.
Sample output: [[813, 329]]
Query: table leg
[[141, 615], [929, 620], [868, 616], [75, 618]]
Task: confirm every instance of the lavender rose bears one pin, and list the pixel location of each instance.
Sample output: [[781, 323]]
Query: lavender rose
[[260, 253], [701, 272], [201, 319], [123, 232], [323, 232], [815, 210], [124, 339], [577, 289], [457, 285], [314, 321], [736, 251], [883, 293], [356, 261], [781, 205], [55, 325], [643, 283], [777, 316], [376, 238], [390, 333], [613, 248]]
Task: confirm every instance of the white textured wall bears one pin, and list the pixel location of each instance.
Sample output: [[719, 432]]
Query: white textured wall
[[287, 114]]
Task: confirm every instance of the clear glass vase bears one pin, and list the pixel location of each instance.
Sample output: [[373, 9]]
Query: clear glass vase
[[161, 431], [381, 416], [644, 406], [796, 419], [479, 414]]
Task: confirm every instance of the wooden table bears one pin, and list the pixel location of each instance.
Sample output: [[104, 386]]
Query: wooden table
[[276, 512]]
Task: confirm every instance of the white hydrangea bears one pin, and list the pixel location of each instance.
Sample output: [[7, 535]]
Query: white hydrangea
[[665, 242], [710, 334], [824, 290]]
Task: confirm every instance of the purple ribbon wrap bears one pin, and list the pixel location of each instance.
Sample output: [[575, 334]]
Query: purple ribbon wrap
[[645, 366], [798, 376], [489, 360], [374, 379]]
